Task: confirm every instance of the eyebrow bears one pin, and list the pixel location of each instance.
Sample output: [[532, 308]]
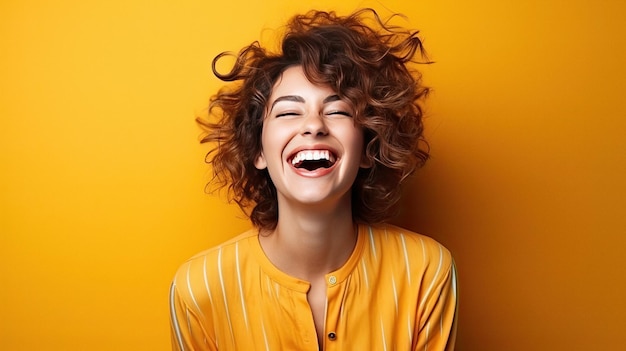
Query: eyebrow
[[297, 98]]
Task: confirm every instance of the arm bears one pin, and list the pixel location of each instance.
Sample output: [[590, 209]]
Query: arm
[[436, 330], [188, 332]]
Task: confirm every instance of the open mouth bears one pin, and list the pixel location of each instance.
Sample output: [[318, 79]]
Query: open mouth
[[313, 159]]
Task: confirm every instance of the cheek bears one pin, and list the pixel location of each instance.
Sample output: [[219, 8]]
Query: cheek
[[356, 139], [357, 142], [270, 147]]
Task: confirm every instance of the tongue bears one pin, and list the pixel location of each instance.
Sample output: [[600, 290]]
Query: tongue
[[311, 165]]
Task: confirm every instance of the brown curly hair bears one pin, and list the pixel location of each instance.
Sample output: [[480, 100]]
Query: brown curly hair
[[367, 62]]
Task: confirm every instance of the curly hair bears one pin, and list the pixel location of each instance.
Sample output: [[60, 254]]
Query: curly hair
[[367, 62]]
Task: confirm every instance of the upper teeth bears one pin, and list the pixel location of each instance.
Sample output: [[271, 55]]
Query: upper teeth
[[311, 155]]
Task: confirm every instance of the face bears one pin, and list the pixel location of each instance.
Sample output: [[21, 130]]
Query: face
[[311, 146]]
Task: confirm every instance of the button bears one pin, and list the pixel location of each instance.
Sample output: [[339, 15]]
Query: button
[[332, 280], [332, 336]]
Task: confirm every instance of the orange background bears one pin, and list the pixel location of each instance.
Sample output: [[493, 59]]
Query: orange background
[[101, 189]]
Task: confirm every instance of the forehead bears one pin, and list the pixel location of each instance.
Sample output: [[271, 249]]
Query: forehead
[[293, 81]]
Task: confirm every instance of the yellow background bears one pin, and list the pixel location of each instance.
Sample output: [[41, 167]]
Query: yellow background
[[101, 185]]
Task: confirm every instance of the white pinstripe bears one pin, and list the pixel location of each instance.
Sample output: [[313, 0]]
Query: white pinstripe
[[179, 338], [227, 309], [382, 333], [206, 281], [409, 328], [367, 283], [427, 336], [432, 282], [423, 250], [243, 303], [406, 258], [193, 298], [372, 243], [395, 293], [208, 290], [188, 321], [267, 346]]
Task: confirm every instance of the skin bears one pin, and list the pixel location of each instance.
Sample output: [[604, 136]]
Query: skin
[[315, 234]]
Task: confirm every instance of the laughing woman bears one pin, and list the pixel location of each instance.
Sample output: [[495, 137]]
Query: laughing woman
[[313, 142]]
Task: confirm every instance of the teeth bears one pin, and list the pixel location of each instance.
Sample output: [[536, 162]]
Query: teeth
[[311, 155]]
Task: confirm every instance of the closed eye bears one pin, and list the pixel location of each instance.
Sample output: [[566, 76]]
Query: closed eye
[[283, 114], [343, 113]]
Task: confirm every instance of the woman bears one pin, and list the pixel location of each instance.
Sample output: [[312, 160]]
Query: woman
[[313, 142]]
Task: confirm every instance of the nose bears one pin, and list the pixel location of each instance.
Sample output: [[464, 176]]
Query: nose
[[314, 124]]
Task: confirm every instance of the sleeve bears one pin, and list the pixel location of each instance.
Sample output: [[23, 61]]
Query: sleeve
[[436, 330], [187, 330]]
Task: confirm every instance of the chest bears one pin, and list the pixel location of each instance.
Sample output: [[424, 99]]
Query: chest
[[350, 314], [317, 299]]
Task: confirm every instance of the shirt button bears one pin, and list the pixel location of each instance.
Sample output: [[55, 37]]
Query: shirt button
[[332, 336], [332, 280]]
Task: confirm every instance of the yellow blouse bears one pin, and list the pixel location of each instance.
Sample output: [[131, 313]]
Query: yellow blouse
[[397, 291]]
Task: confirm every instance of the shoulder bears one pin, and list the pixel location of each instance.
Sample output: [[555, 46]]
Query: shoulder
[[224, 249], [204, 264], [404, 244], [390, 234]]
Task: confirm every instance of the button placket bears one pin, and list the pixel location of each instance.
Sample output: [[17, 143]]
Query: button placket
[[335, 297]]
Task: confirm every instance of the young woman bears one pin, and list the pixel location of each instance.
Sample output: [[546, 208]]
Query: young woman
[[313, 142]]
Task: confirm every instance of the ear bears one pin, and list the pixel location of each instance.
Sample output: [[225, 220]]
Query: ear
[[366, 162], [260, 162]]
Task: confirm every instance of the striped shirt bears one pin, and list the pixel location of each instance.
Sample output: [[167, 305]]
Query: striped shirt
[[397, 291]]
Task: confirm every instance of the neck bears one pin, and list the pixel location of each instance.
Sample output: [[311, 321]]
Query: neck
[[310, 242]]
